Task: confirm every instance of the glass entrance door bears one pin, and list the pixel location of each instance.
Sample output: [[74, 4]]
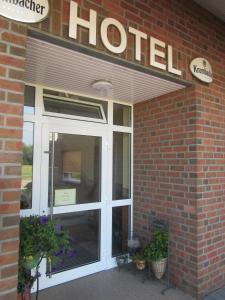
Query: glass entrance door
[[73, 196]]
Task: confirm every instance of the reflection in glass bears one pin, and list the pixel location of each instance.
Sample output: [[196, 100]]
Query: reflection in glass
[[84, 231], [74, 108], [121, 165], [29, 100], [121, 115], [27, 166], [50, 94], [76, 167], [120, 229]]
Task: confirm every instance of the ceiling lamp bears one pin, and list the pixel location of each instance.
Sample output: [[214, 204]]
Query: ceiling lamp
[[102, 85]]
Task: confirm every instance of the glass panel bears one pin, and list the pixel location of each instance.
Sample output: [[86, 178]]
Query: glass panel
[[121, 115], [29, 100], [27, 166], [73, 108], [120, 229], [104, 104], [84, 231], [77, 169], [121, 165]]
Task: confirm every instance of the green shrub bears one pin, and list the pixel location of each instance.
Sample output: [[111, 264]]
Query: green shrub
[[138, 256], [40, 237], [158, 248]]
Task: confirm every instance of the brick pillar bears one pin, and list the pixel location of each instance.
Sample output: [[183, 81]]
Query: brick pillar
[[12, 65], [211, 188], [179, 167], [165, 177]]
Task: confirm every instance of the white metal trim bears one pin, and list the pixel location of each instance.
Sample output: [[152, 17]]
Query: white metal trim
[[46, 282], [117, 203], [77, 208], [122, 129]]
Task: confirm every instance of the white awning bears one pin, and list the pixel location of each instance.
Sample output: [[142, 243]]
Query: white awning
[[62, 68]]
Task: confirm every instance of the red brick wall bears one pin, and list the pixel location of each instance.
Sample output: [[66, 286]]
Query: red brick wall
[[179, 167], [165, 180], [12, 61], [211, 187], [185, 171]]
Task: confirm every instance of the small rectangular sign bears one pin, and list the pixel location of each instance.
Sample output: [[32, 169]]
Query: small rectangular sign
[[65, 197]]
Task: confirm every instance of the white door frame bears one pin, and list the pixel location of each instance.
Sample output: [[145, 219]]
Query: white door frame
[[85, 129]]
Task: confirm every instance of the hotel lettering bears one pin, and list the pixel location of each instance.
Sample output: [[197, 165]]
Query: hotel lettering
[[165, 52]]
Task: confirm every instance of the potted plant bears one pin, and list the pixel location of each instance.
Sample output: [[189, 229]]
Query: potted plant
[[139, 259], [156, 252], [40, 237]]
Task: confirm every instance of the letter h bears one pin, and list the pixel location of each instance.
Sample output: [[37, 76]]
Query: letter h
[[75, 21]]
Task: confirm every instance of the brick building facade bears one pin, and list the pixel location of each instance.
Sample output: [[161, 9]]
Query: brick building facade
[[179, 138]]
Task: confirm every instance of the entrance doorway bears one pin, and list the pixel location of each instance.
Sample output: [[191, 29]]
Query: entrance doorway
[[82, 167], [74, 196]]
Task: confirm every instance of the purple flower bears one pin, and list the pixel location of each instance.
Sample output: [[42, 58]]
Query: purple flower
[[43, 220], [59, 252], [73, 253]]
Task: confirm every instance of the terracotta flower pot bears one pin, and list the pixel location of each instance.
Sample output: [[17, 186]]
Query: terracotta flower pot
[[26, 295], [140, 264], [19, 296], [159, 267]]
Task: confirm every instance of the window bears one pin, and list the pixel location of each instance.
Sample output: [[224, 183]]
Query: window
[[84, 230], [27, 166], [29, 100], [121, 165], [120, 229], [75, 168], [121, 115], [75, 108]]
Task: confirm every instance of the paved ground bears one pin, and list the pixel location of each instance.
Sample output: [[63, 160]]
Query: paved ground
[[112, 285], [217, 295]]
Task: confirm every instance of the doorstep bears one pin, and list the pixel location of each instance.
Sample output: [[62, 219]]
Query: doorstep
[[111, 285]]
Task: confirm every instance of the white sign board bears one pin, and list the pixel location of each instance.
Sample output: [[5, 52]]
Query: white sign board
[[65, 197], [201, 69], [27, 11]]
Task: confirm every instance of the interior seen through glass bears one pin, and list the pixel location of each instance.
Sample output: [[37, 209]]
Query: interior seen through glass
[[120, 229], [76, 167], [84, 232], [121, 166]]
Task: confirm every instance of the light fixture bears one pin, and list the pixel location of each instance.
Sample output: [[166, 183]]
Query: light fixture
[[102, 85]]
